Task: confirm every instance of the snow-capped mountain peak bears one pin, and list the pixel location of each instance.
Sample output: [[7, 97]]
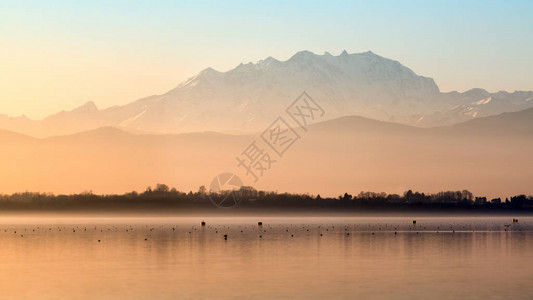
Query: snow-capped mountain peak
[[252, 95]]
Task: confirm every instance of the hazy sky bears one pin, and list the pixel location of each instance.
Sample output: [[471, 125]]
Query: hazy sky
[[57, 55]]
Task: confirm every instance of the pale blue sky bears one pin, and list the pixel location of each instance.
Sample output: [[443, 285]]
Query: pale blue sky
[[57, 55]]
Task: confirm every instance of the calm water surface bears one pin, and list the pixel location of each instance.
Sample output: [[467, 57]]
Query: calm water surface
[[286, 258]]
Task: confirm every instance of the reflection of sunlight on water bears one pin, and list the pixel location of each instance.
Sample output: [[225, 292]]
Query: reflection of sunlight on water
[[311, 257]]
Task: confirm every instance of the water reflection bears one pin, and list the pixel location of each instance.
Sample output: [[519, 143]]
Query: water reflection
[[306, 258]]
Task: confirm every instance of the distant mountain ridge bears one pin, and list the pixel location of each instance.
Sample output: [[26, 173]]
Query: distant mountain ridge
[[489, 156], [514, 124], [509, 123], [248, 97]]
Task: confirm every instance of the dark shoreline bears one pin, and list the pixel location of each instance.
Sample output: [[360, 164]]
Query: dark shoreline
[[267, 211], [253, 202]]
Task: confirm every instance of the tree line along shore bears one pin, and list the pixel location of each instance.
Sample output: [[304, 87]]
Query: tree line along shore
[[247, 198]]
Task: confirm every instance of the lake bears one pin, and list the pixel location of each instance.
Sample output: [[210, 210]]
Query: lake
[[59, 257]]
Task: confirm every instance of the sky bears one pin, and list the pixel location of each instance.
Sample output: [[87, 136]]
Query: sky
[[57, 55]]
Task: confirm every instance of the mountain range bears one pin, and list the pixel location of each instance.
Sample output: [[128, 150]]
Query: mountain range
[[491, 156], [248, 97]]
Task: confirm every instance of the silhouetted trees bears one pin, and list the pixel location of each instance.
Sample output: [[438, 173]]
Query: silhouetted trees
[[520, 201], [480, 201], [164, 197], [161, 188]]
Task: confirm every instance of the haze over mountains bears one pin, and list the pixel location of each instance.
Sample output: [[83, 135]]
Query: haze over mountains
[[385, 128], [490, 156], [248, 97]]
